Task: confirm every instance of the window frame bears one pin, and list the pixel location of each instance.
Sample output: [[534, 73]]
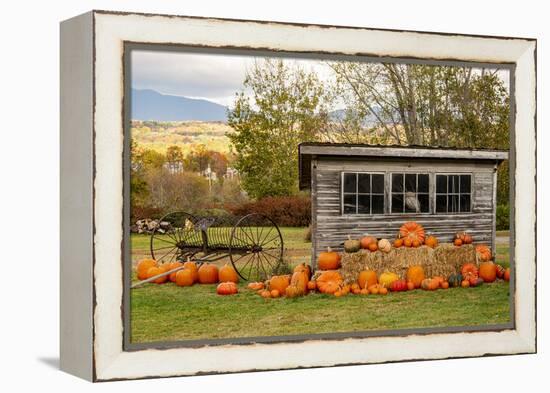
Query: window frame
[[471, 174], [431, 191], [357, 193]]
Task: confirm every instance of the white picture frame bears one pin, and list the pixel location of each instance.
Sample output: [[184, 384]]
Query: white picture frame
[[92, 194]]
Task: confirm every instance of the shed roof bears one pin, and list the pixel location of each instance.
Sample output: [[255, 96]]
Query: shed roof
[[309, 149]]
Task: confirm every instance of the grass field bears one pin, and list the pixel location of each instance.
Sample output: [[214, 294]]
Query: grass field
[[167, 312]]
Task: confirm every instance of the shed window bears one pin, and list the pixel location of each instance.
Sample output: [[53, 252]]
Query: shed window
[[363, 193], [453, 193], [410, 193]]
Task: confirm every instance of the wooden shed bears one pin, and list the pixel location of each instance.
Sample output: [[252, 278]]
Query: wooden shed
[[365, 189]]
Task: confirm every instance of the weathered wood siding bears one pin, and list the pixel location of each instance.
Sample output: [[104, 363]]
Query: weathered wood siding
[[331, 227]]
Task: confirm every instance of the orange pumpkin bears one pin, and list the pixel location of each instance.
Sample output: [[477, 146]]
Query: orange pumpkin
[[416, 243], [367, 240], [483, 252], [444, 285], [172, 266], [373, 246], [279, 283], [465, 284], [154, 271], [431, 241], [227, 288], [228, 273], [185, 278], [364, 291], [467, 239], [265, 294], [374, 289], [312, 285], [208, 274], [367, 278], [410, 285], [469, 270], [413, 231], [329, 282], [457, 242], [275, 293], [194, 269], [143, 266], [408, 242], [488, 271], [507, 274], [397, 243], [328, 260], [292, 291], [383, 291], [415, 274]]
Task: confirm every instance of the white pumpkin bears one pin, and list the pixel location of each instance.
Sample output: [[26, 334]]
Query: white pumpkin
[[384, 245]]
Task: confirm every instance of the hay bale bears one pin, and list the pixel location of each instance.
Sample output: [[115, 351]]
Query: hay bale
[[441, 261]]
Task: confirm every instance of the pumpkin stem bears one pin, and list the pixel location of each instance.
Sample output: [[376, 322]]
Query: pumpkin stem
[[329, 249]]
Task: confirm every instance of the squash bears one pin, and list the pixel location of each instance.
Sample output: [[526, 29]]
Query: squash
[[352, 245], [374, 289], [328, 260], [265, 294], [398, 286], [366, 240], [431, 241], [228, 273], [293, 291], [302, 267], [367, 278], [329, 282], [429, 285], [488, 271], [154, 271], [415, 274], [475, 281], [256, 286], [143, 266], [500, 271], [483, 252], [185, 278], [465, 284], [299, 280], [227, 288], [384, 245], [387, 278], [279, 283], [455, 279], [208, 274], [413, 231], [507, 274]]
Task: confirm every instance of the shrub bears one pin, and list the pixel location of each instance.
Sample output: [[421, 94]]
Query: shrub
[[142, 212], [291, 211], [503, 217]]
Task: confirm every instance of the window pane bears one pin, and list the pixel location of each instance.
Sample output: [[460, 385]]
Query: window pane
[[363, 204], [453, 183], [410, 182], [397, 203], [350, 180], [423, 183], [377, 204], [412, 205], [397, 182], [364, 183], [441, 203], [349, 204], [424, 200], [465, 182], [441, 184], [453, 204], [465, 203], [378, 184]]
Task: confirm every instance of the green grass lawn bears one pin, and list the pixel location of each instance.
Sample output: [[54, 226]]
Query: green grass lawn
[[167, 312]]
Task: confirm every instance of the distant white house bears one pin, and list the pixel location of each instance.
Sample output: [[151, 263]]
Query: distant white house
[[231, 173], [174, 167]]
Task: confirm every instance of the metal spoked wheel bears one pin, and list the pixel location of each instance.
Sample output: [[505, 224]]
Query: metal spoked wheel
[[255, 247], [171, 239]]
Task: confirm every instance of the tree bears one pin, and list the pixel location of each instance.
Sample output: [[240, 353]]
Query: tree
[[280, 106]]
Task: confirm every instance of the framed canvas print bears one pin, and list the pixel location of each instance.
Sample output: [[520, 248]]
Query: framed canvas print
[[248, 195]]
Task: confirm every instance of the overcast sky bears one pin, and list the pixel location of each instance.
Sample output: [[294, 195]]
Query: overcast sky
[[215, 77]]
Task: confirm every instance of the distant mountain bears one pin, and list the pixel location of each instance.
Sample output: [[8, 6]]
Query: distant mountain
[[152, 105]]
